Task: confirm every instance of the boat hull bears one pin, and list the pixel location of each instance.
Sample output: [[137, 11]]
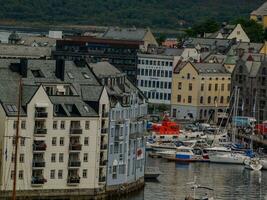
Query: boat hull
[[227, 158]]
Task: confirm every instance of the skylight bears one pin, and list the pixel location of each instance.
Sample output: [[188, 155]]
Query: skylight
[[70, 75], [11, 108], [86, 76], [37, 73]]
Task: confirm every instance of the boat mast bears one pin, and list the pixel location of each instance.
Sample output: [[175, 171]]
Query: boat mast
[[235, 112], [16, 143]]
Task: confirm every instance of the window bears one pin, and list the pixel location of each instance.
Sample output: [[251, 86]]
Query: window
[[190, 87], [13, 157], [11, 108], [62, 124], [61, 141], [60, 174], [202, 87], [188, 76], [179, 85], [54, 124], [209, 87], [23, 124], [179, 98], [20, 174], [37, 73], [228, 99], [85, 157], [12, 174], [222, 87], [61, 157], [170, 85], [189, 99], [15, 124], [86, 141], [87, 125], [54, 141], [201, 100], [229, 86], [216, 87], [221, 99], [85, 173], [22, 141], [53, 157], [52, 174], [21, 158], [209, 99]]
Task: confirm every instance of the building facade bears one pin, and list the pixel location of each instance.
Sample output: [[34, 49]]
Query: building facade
[[260, 15], [154, 74], [63, 143], [128, 107], [250, 77], [200, 91]]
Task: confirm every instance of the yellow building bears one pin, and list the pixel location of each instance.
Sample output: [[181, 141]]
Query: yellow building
[[200, 90], [260, 15]]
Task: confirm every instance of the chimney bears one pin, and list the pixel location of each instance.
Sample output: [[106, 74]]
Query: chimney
[[60, 69], [23, 67]]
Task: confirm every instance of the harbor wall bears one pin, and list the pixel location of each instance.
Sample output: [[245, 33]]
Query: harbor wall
[[78, 194]]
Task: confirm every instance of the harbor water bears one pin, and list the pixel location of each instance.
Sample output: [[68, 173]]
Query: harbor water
[[230, 182]]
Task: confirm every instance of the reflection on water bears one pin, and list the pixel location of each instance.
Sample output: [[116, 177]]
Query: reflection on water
[[230, 182]]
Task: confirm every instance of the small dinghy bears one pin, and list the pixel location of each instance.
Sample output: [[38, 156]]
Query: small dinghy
[[253, 164]]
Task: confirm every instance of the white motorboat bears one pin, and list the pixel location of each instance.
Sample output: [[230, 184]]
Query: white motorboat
[[253, 164], [264, 163], [228, 158], [163, 146], [189, 135]]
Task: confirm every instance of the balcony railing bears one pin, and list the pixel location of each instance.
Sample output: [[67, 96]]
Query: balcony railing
[[74, 163], [76, 130], [103, 162], [74, 180], [38, 163], [102, 179], [104, 130], [104, 146], [38, 180], [75, 147], [40, 131], [39, 147], [104, 114], [40, 114]]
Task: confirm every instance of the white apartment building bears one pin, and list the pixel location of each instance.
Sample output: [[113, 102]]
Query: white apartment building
[[128, 107], [63, 138], [154, 74]]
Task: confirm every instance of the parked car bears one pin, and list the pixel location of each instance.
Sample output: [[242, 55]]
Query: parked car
[[191, 127]]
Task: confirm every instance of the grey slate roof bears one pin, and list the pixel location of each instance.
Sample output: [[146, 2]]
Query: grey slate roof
[[207, 42], [9, 81], [104, 69], [262, 10], [119, 33], [20, 51], [248, 47]]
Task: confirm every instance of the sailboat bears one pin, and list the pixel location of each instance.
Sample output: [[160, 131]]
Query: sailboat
[[228, 156]]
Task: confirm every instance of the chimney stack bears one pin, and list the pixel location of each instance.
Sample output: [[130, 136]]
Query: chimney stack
[[60, 69], [23, 67]]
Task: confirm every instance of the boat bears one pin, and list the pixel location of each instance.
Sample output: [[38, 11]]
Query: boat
[[163, 146], [253, 164], [207, 191], [166, 131], [228, 158], [264, 163], [186, 154], [152, 172]]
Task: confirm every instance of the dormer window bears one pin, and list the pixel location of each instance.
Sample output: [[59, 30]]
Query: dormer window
[[11, 108]]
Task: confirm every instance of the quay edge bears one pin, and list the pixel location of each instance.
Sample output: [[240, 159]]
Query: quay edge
[[79, 194]]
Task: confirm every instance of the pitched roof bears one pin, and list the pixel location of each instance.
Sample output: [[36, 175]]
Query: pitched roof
[[119, 33], [262, 10], [104, 69]]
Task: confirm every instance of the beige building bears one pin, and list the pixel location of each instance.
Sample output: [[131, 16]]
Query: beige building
[[63, 128], [199, 90]]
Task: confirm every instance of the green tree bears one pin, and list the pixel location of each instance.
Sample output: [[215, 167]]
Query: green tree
[[207, 26], [161, 38]]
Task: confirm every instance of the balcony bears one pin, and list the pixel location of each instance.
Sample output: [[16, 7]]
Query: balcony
[[74, 163], [40, 114], [39, 146], [104, 114], [40, 131], [104, 147], [73, 180], [102, 179], [104, 130], [38, 163], [76, 130], [103, 162], [75, 147], [38, 181]]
